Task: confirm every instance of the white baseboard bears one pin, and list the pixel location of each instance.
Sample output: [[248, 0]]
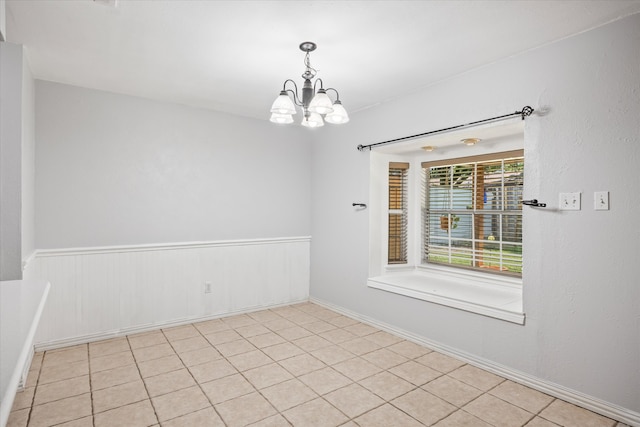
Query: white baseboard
[[68, 342], [591, 403]]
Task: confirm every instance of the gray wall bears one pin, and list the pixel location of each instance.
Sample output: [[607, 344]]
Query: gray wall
[[16, 161], [581, 293], [119, 170]]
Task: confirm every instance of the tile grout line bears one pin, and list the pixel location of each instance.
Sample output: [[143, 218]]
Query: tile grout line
[[155, 413]]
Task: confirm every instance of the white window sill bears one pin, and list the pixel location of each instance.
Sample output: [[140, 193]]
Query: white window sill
[[496, 297]]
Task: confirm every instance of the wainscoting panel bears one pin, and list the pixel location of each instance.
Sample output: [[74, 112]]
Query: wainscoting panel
[[101, 292]]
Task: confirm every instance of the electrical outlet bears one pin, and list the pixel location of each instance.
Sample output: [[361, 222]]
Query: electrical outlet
[[601, 200], [207, 287], [570, 201]]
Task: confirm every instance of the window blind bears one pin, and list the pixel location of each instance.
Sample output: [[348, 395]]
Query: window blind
[[472, 212], [398, 203]]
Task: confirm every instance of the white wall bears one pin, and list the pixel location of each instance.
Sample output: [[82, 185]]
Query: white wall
[[581, 293], [28, 161], [119, 170]]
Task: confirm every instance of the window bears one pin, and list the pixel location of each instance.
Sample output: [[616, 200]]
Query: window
[[397, 233], [472, 212]]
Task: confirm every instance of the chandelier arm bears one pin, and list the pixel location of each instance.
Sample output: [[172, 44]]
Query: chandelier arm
[[337, 94], [296, 100], [321, 84]]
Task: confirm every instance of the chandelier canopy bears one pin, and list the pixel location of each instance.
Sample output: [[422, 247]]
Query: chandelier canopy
[[316, 105]]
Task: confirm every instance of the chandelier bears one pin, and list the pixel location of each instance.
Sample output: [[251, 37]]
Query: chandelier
[[315, 104]]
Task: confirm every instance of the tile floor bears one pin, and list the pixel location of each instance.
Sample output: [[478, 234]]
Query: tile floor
[[300, 365]]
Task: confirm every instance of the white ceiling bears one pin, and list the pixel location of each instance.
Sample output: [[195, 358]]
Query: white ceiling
[[233, 56]]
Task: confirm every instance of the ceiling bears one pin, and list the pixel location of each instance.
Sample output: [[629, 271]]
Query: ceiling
[[233, 56]]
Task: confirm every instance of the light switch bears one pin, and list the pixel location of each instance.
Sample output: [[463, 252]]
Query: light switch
[[601, 200], [570, 201]]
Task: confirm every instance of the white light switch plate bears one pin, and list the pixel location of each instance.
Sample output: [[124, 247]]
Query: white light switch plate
[[601, 200], [570, 201]]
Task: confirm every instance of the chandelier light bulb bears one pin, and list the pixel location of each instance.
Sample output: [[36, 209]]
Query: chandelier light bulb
[[313, 121], [321, 103], [283, 104], [338, 115]]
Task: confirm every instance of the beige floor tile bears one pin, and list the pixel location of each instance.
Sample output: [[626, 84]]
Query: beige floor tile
[[462, 419], [223, 336], [267, 375], [32, 378], [139, 414], [333, 354], [171, 381], [423, 406], [18, 418], [409, 349], [288, 394], [357, 368], [63, 372], [324, 314], [325, 380], [497, 412], [36, 361], [415, 373], [189, 344], [293, 333], [302, 319], [273, 421], [361, 329], [453, 391], [245, 410], [179, 403], [336, 336], [233, 348], [239, 321], [387, 385], [282, 351], [353, 400], [359, 346], [75, 354], [524, 397], [60, 411], [202, 418], [107, 347], [386, 416], [23, 399], [252, 330], [82, 422], [197, 357], [152, 352], [61, 389], [160, 366], [250, 360], [266, 340], [440, 362], [301, 364], [342, 321], [211, 326], [180, 332], [279, 324], [384, 358], [227, 388], [210, 371], [569, 415], [264, 316], [115, 360], [286, 311], [311, 343], [120, 395], [315, 413], [541, 422], [116, 376], [383, 339], [146, 339], [476, 377], [320, 326]]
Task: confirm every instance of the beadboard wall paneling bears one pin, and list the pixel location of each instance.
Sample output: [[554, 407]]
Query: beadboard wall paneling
[[101, 292]]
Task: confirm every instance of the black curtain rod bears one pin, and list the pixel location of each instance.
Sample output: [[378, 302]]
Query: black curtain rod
[[526, 111]]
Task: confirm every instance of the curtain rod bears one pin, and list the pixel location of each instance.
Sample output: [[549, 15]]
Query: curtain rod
[[525, 112]]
